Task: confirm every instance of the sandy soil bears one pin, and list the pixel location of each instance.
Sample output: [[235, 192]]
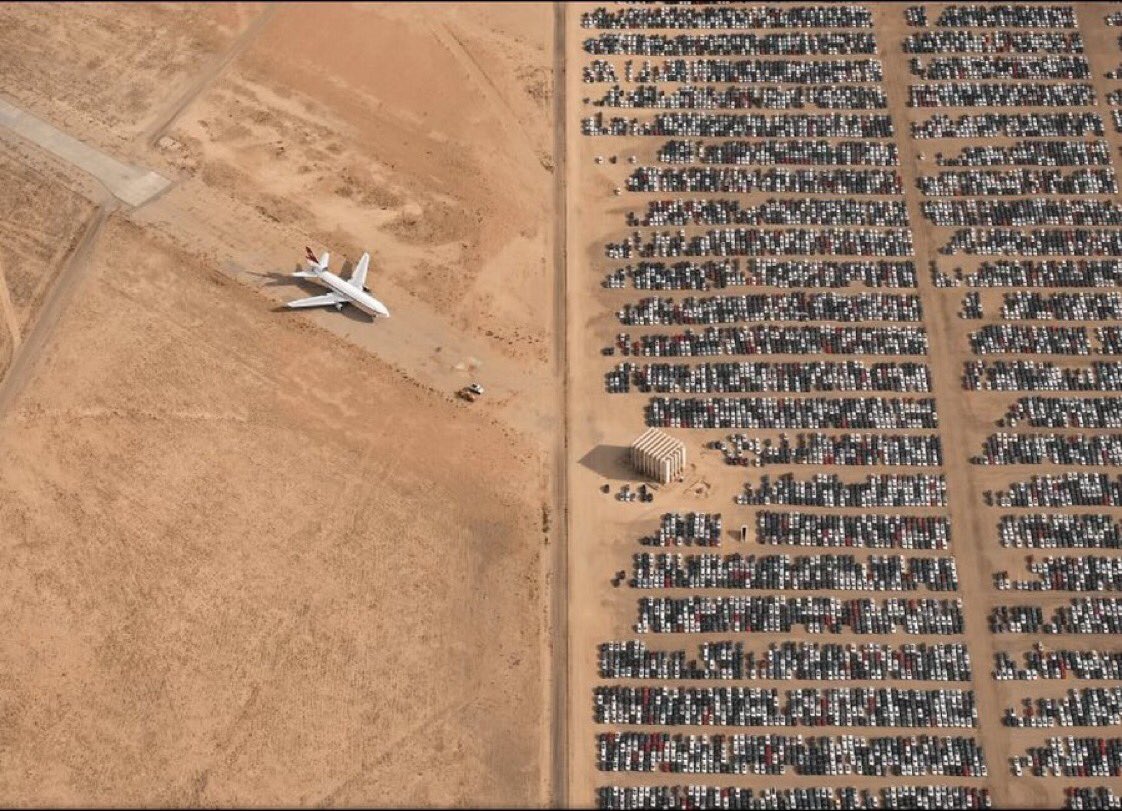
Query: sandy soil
[[104, 69], [261, 557], [40, 223], [421, 136], [249, 577], [264, 557]]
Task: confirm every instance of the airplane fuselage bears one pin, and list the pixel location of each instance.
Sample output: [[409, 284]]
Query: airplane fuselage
[[359, 298]]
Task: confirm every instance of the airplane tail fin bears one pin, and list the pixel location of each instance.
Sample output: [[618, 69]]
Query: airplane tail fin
[[317, 264]]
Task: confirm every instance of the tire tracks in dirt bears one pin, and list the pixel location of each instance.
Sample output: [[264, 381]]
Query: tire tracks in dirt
[[11, 318], [559, 582], [70, 278], [158, 128], [523, 143]]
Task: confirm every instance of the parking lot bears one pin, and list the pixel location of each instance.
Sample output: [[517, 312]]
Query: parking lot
[[859, 259]]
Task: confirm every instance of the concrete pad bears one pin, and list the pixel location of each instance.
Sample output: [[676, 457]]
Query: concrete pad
[[129, 184]]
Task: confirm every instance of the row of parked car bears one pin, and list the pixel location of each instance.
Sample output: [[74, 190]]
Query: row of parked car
[[1051, 66], [1037, 242], [1009, 125], [1051, 449], [828, 490], [1039, 411], [867, 530], [911, 450], [938, 708], [696, 124], [777, 340], [634, 660], [686, 529], [1006, 15], [780, 43], [776, 211], [1072, 757], [816, 615], [1066, 573], [999, 94], [781, 572], [1033, 375], [1020, 213], [706, 798], [859, 241], [778, 377], [1080, 306], [1060, 531], [763, 272], [1045, 273], [1059, 490], [896, 755], [819, 152], [881, 413], [1005, 182], [1029, 340], [1031, 153], [792, 306], [1083, 615], [994, 42], [727, 71], [728, 17], [785, 661], [727, 180], [1091, 798], [1058, 663], [738, 97], [1085, 707]]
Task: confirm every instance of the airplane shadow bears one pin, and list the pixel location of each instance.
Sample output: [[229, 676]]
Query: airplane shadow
[[348, 312], [611, 462], [355, 314], [277, 278]]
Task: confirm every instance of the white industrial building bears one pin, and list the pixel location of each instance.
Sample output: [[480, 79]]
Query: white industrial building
[[658, 455]]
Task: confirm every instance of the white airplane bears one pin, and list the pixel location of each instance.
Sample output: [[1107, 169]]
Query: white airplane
[[343, 291]]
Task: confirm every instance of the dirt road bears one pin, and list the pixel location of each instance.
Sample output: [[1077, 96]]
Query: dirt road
[[945, 362], [11, 318], [129, 184], [167, 118], [559, 611], [69, 280]]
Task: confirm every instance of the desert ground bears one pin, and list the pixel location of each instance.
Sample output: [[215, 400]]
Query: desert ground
[[255, 556], [263, 557]]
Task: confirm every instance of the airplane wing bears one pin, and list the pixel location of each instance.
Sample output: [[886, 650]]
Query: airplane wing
[[328, 300], [358, 277]]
